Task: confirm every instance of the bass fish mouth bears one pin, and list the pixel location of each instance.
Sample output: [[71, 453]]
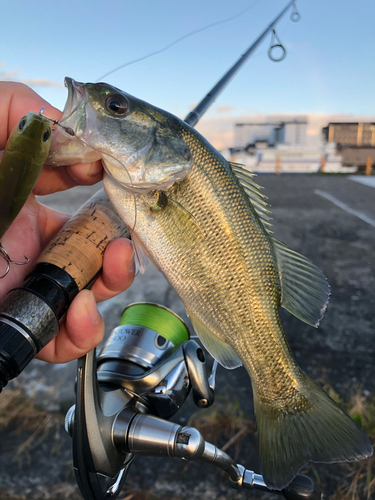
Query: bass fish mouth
[[76, 94], [69, 143]]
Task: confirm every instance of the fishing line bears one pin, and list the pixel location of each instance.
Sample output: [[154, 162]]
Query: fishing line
[[178, 40], [71, 132], [157, 318]]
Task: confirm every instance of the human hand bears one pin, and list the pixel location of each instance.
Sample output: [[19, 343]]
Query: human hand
[[36, 224]]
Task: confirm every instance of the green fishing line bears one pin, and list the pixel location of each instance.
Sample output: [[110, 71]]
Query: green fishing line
[[157, 318]]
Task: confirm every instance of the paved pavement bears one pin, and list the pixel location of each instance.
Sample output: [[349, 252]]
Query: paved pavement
[[329, 219]]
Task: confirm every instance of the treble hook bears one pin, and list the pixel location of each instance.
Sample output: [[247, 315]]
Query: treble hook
[[275, 45], [295, 16], [4, 254]]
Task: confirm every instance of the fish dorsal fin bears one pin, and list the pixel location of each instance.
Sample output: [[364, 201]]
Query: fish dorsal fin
[[218, 349], [140, 256], [304, 288], [253, 191]]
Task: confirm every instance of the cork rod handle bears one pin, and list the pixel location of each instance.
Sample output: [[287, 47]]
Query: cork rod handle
[[79, 246]]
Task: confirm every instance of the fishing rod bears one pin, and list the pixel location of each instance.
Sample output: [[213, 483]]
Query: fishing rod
[[30, 315], [193, 117]]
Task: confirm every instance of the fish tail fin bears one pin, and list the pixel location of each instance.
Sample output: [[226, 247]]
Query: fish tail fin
[[311, 428]]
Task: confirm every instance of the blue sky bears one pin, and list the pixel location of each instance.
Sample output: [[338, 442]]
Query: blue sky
[[329, 68]]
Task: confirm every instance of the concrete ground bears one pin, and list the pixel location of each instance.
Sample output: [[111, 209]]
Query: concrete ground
[[330, 220]]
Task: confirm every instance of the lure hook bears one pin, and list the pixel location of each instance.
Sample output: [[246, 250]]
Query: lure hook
[[41, 113], [4, 254], [295, 16], [69, 130], [274, 45]]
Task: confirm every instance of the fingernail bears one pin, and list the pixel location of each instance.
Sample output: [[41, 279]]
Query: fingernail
[[91, 309], [96, 168], [130, 265]]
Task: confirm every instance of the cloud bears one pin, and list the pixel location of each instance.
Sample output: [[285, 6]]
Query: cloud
[[13, 76], [7, 74], [40, 82], [224, 109]]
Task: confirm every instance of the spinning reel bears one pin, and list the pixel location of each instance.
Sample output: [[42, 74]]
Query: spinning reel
[[126, 395]]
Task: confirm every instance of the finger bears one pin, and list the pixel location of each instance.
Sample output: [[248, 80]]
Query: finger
[[16, 99], [29, 233], [53, 179], [118, 270], [83, 330]]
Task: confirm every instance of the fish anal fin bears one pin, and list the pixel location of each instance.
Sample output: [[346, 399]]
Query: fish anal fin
[[304, 288], [218, 349]]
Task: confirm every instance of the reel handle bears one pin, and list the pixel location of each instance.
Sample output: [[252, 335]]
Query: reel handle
[[30, 315]]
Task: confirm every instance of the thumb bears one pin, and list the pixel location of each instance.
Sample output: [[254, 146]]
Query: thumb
[[83, 330]]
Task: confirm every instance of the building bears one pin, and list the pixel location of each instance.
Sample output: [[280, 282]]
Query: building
[[279, 145], [354, 141], [353, 134], [271, 133]]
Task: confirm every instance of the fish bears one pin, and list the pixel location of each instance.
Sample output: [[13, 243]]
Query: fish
[[22, 160], [24, 156], [205, 224]]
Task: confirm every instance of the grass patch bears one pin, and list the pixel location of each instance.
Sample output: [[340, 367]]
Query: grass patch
[[19, 413], [359, 482], [224, 422], [62, 491]]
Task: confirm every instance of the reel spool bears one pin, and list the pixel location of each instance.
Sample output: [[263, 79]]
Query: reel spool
[[147, 334]]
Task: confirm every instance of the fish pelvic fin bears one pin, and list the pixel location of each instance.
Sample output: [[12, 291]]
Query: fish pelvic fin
[[140, 255], [309, 427]]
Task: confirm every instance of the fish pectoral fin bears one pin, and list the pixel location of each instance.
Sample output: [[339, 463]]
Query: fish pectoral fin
[[304, 288], [140, 256], [218, 349], [186, 218], [181, 220]]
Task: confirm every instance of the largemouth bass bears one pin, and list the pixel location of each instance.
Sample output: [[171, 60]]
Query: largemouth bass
[[204, 223]]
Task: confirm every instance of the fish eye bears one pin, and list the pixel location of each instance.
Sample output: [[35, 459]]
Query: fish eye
[[46, 135], [22, 123], [116, 104]]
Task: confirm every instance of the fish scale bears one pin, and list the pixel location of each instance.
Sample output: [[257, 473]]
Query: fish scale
[[204, 223]]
